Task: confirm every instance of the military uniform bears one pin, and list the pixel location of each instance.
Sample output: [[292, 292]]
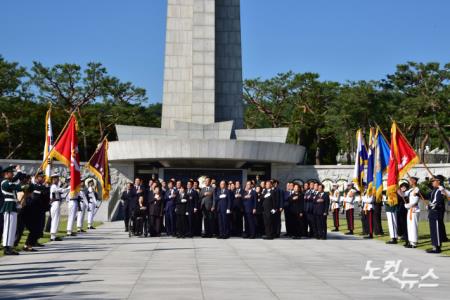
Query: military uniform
[[93, 205], [413, 215], [335, 198], [349, 206], [391, 216], [72, 209], [435, 208], [9, 210], [82, 208], [367, 210], [56, 196]]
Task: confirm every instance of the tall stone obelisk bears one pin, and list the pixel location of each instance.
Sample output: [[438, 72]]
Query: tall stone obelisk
[[203, 63]]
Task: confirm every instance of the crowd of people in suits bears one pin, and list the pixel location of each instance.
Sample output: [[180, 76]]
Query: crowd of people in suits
[[224, 209], [26, 200]]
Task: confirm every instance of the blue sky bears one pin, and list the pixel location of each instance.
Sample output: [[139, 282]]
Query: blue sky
[[339, 39]]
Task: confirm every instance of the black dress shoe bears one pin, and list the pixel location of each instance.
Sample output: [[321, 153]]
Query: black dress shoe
[[91, 227], [56, 239], [335, 230], [28, 249], [392, 242], [349, 233], [435, 250], [267, 238]]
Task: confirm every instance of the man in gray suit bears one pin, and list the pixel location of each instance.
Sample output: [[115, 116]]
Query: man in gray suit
[[206, 200]]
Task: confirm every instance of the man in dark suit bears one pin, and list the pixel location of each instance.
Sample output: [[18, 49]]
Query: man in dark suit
[[169, 208], [129, 199], [222, 205], [320, 210], [237, 210], [192, 207], [271, 204], [206, 204], [249, 204]]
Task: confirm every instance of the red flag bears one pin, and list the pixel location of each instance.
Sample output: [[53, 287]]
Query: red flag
[[402, 159], [66, 151], [99, 166]]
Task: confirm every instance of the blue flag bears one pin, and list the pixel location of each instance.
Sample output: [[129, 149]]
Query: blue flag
[[360, 161], [382, 153]]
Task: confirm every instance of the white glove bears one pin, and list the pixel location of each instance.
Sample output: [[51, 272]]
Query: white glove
[[273, 211], [187, 214], [228, 211], [183, 200]]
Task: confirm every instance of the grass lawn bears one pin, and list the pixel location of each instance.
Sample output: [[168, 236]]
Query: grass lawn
[[61, 233], [424, 233]]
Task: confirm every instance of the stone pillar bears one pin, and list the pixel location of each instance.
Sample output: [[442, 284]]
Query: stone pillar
[[203, 69]]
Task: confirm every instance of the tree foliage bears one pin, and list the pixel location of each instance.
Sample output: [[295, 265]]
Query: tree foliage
[[324, 115]]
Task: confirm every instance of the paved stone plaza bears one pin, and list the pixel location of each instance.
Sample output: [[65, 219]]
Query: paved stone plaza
[[107, 264]]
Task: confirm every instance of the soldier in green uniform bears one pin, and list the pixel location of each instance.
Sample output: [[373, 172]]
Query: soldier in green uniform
[[9, 209]]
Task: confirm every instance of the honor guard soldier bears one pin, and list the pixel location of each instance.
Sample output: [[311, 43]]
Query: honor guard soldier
[[367, 210], [56, 196], [435, 208], [9, 189], [402, 229], [349, 206], [222, 205], [72, 209], [412, 205], [335, 199], [82, 206], [93, 201], [249, 204], [391, 216]]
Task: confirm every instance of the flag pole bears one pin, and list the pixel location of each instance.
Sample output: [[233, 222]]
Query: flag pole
[[56, 141]]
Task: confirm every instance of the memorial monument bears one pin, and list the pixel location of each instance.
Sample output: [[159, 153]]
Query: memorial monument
[[202, 128]]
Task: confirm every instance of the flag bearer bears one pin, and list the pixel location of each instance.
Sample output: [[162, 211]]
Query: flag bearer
[[56, 196], [350, 208], [412, 205], [335, 198], [435, 208]]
